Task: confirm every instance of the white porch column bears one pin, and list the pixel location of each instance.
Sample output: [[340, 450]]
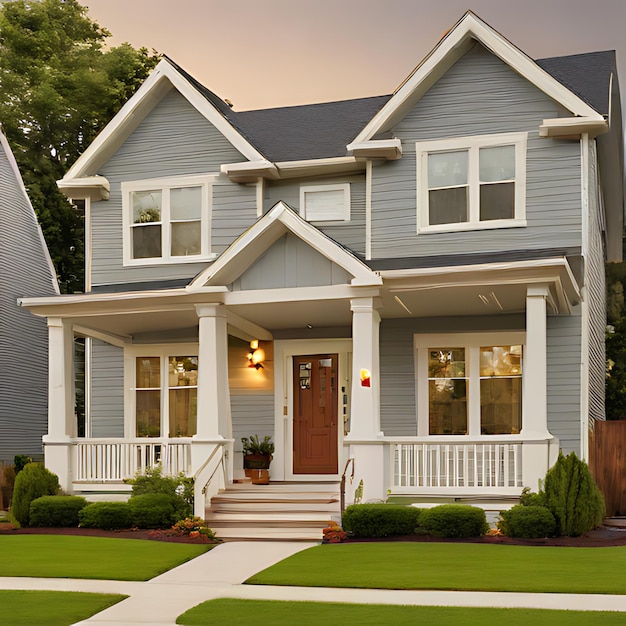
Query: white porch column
[[61, 414], [365, 437]]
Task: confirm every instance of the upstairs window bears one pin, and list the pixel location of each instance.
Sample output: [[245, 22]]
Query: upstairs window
[[471, 183], [167, 220], [325, 203]]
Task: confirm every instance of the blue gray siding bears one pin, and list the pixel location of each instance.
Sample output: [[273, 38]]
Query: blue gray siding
[[480, 95], [107, 390], [291, 262], [234, 210], [564, 338], [173, 140], [25, 270], [349, 234], [252, 415]]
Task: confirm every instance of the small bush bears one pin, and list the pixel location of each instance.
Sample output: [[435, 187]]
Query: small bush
[[153, 481], [106, 515], [154, 510], [454, 520], [528, 522], [53, 511], [573, 497], [380, 520], [20, 461], [530, 498], [31, 483]]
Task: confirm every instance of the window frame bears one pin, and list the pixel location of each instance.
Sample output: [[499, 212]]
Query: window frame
[[165, 185], [163, 352], [472, 145], [343, 211], [471, 342]]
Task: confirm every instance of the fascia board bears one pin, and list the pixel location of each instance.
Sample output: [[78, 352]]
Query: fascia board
[[572, 127], [448, 51], [377, 148], [93, 187], [162, 79]]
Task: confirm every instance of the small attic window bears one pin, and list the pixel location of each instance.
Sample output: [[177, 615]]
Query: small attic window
[[325, 203]]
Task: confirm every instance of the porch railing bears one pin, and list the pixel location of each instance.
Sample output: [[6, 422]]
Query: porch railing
[[113, 460], [468, 465]]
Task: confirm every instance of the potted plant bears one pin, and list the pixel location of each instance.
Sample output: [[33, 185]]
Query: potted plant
[[257, 456]]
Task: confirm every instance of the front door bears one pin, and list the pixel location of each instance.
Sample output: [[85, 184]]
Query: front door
[[315, 414]]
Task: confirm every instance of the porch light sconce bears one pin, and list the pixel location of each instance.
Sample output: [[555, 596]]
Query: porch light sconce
[[365, 378], [256, 356]]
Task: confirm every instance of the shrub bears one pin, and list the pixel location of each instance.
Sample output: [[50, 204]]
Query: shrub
[[154, 510], [31, 483], [56, 510], [192, 527], [20, 461], [380, 520], [573, 497], [530, 498], [153, 481], [106, 515], [454, 520], [528, 522]]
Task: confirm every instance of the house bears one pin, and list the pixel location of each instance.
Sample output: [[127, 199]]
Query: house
[[25, 268], [413, 281]]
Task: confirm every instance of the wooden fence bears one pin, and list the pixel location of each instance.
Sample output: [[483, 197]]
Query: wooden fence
[[607, 462]]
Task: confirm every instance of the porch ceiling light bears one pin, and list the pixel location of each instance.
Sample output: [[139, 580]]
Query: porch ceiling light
[[256, 356]]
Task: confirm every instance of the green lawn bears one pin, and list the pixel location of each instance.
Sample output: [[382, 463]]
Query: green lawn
[[473, 567], [52, 608], [50, 556], [245, 612]]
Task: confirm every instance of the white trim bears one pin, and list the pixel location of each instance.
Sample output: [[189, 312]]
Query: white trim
[[284, 351], [92, 187], [260, 196], [584, 305], [162, 79], [452, 47], [368, 209], [341, 213], [571, 127], [249, 171], [472, 145], [390, 149]]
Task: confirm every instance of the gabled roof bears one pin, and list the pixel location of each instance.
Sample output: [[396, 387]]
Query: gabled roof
[[250, 245]]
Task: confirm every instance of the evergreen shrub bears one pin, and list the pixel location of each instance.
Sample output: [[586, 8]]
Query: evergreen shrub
[[31, 483], [454, 520], [180, 487], [106, 515], [380, 520], [155, 510], [56, 511], [528, 522]]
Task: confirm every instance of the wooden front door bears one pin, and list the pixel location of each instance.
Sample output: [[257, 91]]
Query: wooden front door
[[315, 414]]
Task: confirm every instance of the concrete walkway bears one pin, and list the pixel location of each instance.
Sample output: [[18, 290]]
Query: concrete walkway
[[220, 572]]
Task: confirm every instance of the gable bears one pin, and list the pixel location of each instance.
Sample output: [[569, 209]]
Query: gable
[[291, 262]]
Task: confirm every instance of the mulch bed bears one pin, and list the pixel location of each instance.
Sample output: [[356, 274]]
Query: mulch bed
[[601, 537]]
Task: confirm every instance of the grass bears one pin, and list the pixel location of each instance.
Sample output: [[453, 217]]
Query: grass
[[53, 608], [232, 612], [48, 556], [453, 566]]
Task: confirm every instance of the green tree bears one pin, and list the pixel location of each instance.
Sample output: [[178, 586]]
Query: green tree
[[59, 88]]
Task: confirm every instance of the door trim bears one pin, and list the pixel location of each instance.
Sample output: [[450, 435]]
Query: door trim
[[284, 351]]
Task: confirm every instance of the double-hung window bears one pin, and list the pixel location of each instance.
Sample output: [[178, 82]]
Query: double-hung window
[[469, 384], [167, 220], [471, 183]]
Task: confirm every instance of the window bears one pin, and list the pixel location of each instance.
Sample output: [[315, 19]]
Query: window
[[167, 220], [471, 183], [165, 394], [469, 384], [325, 203]]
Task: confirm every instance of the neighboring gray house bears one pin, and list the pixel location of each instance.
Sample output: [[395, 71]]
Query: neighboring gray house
[[419, 276], [25, 269]]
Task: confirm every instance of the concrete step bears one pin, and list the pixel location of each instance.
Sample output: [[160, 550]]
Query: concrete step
[[251, 533], [275, 519], [272, 507], [280, 499]]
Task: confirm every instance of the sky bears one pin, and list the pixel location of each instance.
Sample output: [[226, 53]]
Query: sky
[[268, 53]]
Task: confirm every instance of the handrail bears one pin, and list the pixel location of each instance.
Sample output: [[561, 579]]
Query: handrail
[[343, 483], [220, 464], [209, 458]]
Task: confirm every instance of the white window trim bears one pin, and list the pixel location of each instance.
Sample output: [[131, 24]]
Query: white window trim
[[164, 351], [473, 144], [343, 211], [472, 343], [206, 181]]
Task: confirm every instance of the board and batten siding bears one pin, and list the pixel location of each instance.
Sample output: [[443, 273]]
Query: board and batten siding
[[564, 355], [173, 140], [25, 270], [480, 95], [291, 262], [350, 234], [106, 390]]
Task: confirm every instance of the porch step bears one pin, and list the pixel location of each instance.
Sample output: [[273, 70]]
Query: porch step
[[289, 511]]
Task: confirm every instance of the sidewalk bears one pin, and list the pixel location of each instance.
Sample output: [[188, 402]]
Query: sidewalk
[[220, 572]]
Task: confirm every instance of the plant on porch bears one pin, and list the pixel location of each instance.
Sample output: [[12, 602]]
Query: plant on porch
[[257, 456]]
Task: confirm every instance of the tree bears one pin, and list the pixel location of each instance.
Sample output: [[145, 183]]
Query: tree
[[58, 88]]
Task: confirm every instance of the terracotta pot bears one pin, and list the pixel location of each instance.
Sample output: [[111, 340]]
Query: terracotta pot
[[258, 476]]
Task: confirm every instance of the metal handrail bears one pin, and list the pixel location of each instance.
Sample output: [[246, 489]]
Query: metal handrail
[[220, 464], [343, 483]]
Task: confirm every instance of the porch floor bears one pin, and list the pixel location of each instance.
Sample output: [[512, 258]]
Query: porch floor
[[278, 511]]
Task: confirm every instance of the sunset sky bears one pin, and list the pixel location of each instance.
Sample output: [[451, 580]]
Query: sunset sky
[[267, 53]]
